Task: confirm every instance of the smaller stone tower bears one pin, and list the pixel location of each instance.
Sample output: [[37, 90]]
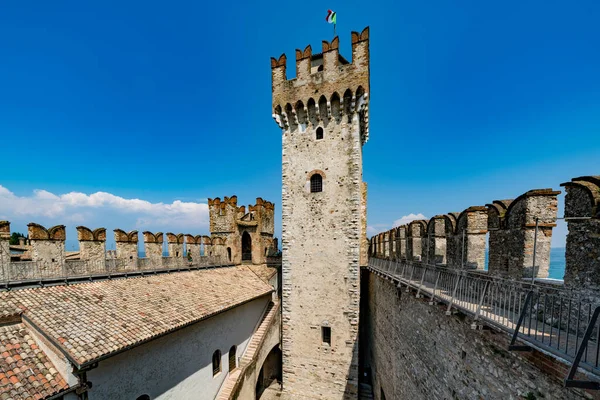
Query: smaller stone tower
[[241, 236]]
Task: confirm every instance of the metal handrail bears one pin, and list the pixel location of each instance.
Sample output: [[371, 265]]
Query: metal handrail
[[552, 319]]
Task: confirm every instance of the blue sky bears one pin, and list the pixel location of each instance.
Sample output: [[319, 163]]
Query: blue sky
[[170, 103]]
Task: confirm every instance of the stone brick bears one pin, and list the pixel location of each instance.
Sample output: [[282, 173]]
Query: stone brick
[[582, 210], [47, 245], [4, 247], [512, 233], [127, 246], [91, 244], [153, 245]]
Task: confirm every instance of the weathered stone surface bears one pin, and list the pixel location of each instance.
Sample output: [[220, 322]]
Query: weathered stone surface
[[153, 245], [512, 236], [416, 240], [47, 245], [323, 232], [175, 244], [127, 246], [466, 238], [415, 351], [582, 210], [91, 243], [4, 247], [230, 223], [436, 240]]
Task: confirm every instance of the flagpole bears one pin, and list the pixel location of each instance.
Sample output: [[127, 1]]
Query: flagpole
[[334, 24]]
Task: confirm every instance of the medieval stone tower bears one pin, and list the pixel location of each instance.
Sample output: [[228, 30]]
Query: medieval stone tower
[[323, 114]]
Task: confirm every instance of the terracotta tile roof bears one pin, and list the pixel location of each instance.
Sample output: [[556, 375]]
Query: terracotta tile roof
[[89, 321], [263, 271], [25, 371]]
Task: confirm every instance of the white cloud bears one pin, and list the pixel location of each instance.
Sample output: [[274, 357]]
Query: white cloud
[[371, 230], [102, 208], [408, 218]]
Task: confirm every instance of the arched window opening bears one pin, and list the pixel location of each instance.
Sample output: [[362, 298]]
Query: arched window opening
[[319, 133], [216, 362], [316, 183], [232, 358], [335, 106], [320, 68], [246, 247], [143, 397]]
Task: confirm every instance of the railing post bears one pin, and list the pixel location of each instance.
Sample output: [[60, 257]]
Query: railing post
[[418, 296], [458, 278], [512, 345], [480, 304], [569, 381], [412, 271], [435, 288], [535, 234]]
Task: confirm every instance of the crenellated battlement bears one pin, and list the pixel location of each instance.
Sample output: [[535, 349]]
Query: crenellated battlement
[[459, 240], [327, 87], [38, 232], [86, 234], [175, 238], [150, 237], [125, 237], [582, 210]]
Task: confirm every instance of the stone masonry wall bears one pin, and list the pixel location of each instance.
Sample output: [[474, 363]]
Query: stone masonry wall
[[322, 231], [153, 245], [4, 247], [47, 245], [127, 246], [415, 351], [92, 244], [436, 240], [582, 206]]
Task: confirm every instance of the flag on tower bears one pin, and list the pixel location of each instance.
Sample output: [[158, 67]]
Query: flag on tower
[[330, 17]]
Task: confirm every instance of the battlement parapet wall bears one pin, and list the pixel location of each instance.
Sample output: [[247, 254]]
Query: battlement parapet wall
[[582, 210], [193, 244], [4, 243], [343, 87], [458, 240], [175, 244], [92, 243], [47, 244], [49, 259], [153, 245]]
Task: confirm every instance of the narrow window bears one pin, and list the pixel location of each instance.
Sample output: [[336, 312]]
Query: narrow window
[[319, 133], [229, 253], [176, 254], [232, 358], [316, 183], [382, 394], [326, 334], [216, 361]]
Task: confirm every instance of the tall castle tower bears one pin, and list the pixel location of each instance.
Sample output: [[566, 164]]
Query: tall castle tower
[[323, 114]]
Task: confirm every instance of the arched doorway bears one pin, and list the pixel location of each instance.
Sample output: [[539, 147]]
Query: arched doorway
[[269, 377], [246, 247]]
